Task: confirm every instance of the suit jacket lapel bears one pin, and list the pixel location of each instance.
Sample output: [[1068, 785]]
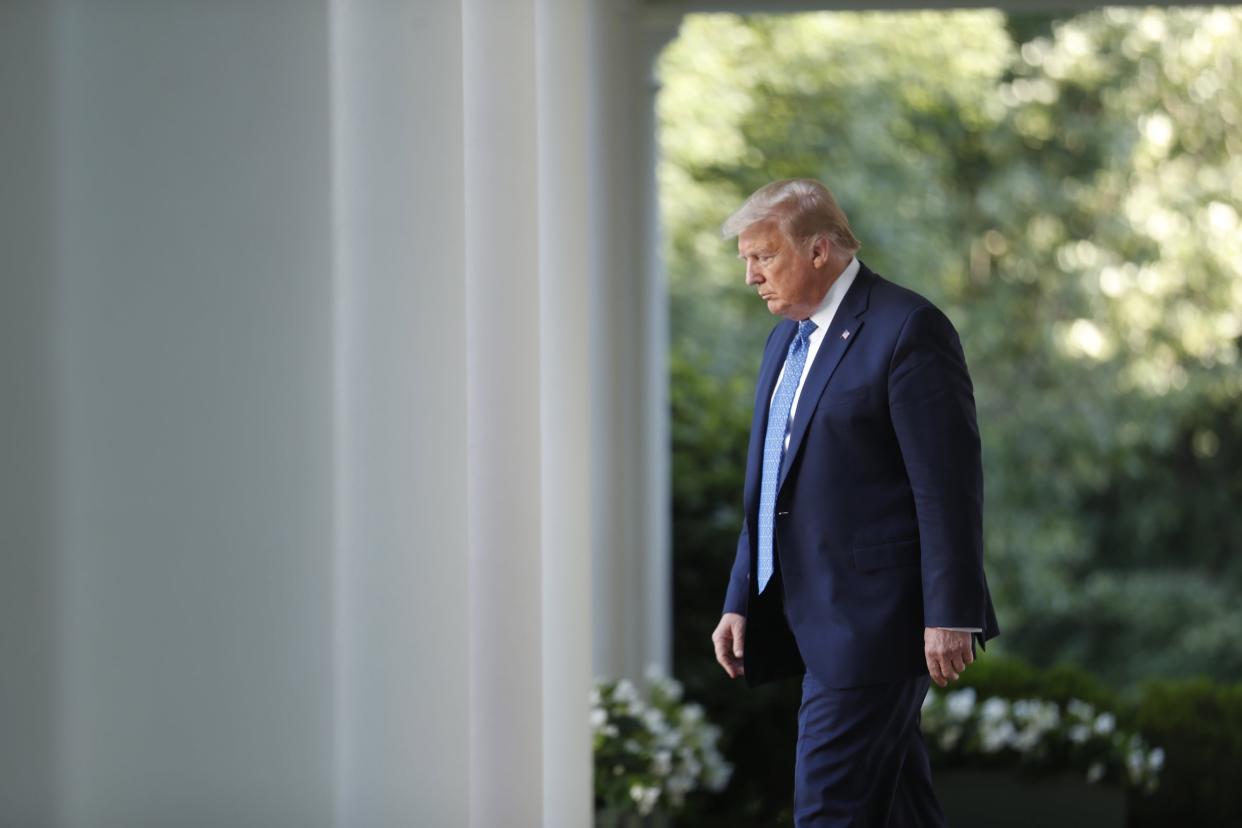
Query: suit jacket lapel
[[841, 334], [773, 359]]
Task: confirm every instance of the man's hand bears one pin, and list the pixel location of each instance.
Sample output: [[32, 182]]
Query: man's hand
[[947, 653], [728, 638]]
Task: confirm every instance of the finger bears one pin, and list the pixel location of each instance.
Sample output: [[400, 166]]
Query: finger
[[969, 655], [731, 665], [934, 671], [959, 665], [946, 669], [738, 635]]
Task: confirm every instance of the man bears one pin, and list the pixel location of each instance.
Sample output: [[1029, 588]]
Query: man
[[860, 560]]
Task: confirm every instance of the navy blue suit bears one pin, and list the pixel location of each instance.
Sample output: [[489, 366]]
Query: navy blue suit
[[878, 527]]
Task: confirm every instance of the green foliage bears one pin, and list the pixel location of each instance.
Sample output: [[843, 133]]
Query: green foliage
[[1199, 725], [1072, 203], [1013, 679], [650, 753], [1068, 191], [1037, 735]]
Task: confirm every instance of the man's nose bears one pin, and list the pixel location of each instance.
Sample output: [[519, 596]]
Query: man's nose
[[753, 274]]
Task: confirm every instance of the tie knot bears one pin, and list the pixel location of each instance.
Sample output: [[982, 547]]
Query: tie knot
[[805, 328]]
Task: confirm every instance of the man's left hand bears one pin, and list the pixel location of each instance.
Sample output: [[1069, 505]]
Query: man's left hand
[[947, 652]]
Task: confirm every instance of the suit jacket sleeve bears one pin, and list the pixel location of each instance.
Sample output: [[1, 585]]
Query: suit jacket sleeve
[[739, 578], [931, 402]]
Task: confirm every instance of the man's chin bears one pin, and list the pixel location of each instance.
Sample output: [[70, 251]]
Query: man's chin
[[783, 311]]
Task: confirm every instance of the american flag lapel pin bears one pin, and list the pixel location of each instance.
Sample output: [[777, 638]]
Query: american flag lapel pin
[[845, 334]]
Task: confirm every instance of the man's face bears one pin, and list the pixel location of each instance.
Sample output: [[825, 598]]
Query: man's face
[[791, 279]]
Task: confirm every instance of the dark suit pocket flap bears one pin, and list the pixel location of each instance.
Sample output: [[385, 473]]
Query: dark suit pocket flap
[[883, 556], [843, 396]]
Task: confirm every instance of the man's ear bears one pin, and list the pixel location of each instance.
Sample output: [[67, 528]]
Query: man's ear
[[821, 251]]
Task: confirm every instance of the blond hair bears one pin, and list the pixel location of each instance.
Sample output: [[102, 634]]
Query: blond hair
[[803, 209]]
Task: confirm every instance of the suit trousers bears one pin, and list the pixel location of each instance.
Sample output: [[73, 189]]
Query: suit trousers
[[861, 758]]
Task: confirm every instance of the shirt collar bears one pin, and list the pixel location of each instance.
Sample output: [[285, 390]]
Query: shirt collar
[[822, 317]]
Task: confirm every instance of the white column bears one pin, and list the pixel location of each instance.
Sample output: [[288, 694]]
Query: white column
[[632, 598], [566, 330], [504, 456], [28, 680], [402, 586], [193, 407], [527, 277], [298, 314]]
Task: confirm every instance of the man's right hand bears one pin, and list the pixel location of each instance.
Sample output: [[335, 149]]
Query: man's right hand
[[728, 639]]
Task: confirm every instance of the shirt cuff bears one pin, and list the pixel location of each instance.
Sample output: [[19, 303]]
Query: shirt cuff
[[961, 629]]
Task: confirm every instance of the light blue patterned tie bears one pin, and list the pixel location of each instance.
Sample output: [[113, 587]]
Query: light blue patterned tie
[[774, 444]]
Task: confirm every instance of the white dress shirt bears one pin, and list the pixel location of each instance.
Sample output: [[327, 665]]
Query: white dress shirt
[[822, 317]]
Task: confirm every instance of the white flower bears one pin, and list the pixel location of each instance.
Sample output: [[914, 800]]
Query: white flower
[[626, 693], [1037, 718], [678, 785], [654, 721], [644, 797], [716, 772], [1079, 733], [994, 710], [1155, 759], [929, 699], [675, 741], [1080, 710], [997, 735], [949, 736], [961, 703], [1105, 723], [1135, 763], [1050, 715], [662, 685], [662, 762], [1095, 773]]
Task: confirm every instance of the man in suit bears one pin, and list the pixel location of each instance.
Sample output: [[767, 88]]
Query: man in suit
[[860, 560]]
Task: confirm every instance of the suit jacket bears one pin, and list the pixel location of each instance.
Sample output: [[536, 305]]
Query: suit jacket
[[878, 530]]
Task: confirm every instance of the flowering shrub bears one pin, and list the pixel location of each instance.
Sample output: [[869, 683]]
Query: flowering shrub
[[651, 752], [1034, 733]]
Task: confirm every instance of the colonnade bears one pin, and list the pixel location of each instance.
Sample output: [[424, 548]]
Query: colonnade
[[331, 361]]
